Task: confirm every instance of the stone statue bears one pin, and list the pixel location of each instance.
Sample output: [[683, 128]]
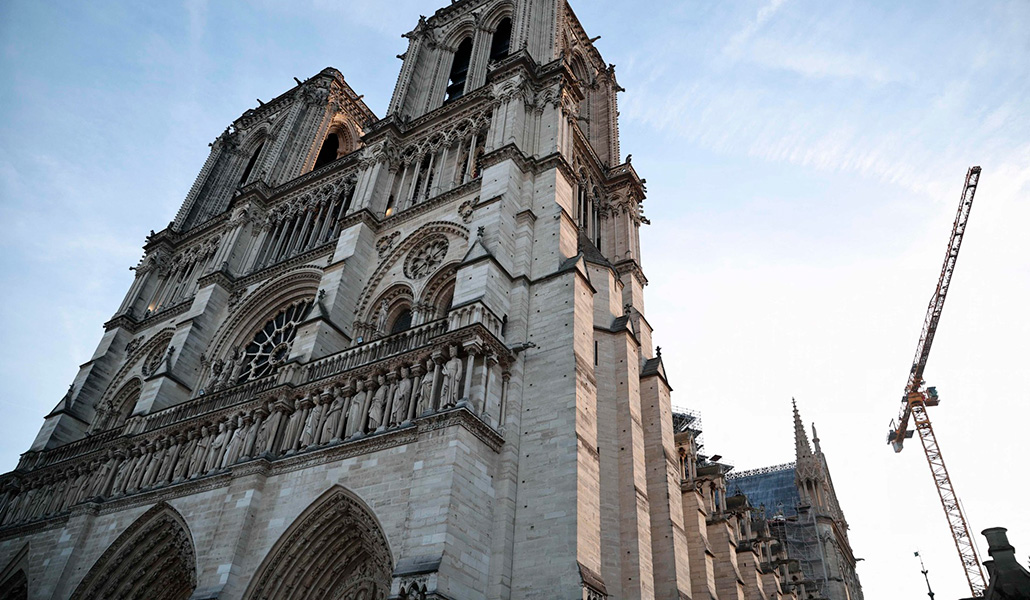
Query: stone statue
[[401, 396], [354, 414], [293, 428], [235, 447], [182, 464], [217, 445], [333, 419], [450, 390], [309, 435], [137, 469], [171, 458], [156, 459], [266, 433], [425, 390], [378, 405], [200, 452]]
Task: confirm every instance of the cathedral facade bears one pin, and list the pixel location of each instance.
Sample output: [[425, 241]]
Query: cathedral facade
[[396, 357]]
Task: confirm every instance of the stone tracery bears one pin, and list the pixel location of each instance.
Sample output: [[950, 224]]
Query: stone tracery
[[271, 345], [335, 550], [153, 559]]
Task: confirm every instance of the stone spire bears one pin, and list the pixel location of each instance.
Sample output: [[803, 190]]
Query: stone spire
[[815, 440], [802, 449]]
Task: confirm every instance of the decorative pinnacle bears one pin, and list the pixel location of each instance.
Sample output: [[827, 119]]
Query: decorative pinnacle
[[815, 439], [801, 447]]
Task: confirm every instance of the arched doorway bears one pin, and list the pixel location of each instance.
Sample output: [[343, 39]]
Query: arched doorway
[[153, 559], [15, 587], [335, 550]]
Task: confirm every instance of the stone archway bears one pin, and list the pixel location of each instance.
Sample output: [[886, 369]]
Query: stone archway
[[153, 559], [15, 587], [335, 550]]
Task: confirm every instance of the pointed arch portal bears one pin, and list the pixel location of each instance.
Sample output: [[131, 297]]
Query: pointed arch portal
[[335, 550], [153, 559]]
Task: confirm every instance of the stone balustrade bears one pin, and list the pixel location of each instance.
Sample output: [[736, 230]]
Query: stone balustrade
[[376, 350], [368, 390]]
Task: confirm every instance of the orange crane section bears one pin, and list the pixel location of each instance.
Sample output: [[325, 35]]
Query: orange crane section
[[916, 398]]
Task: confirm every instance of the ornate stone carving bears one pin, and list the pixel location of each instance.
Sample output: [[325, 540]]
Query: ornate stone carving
[[426, 257], [467, 208], [153, 559], [354, 547], [384, 243], [155, 357], [134, 345]]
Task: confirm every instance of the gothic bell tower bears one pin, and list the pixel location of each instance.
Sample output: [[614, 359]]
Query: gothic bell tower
[[409, 351]]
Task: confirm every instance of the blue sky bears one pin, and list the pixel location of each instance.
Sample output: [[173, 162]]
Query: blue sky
[[804, 161]]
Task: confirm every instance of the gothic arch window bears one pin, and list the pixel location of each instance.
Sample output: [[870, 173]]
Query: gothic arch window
[[402, 321], [501, 42], [125, 402], [477, 159], [153, 559], [250, 164], [459, 70], [270, 346], [15, 587], [595, 210], [334, 550], [330, 150], [583, 201]]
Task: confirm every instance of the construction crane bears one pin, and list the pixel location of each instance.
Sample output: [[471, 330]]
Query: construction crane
[[917, 398]]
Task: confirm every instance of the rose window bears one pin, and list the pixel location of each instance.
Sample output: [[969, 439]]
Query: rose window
[[272, 343], [425, 258]]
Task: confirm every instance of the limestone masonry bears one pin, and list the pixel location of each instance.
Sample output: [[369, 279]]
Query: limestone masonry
[[407, 357]]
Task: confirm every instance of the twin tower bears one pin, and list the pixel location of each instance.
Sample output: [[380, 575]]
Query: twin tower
[[397, 357]]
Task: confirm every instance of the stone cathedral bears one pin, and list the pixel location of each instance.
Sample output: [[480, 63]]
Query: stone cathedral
[[400, 357]]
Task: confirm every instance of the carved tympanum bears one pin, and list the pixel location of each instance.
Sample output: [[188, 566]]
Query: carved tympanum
[[335, 550]]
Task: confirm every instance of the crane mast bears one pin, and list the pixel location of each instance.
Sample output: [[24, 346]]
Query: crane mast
[[916, 398]]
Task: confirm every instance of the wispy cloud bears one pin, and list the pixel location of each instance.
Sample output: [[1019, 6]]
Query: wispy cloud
[[765, 12]]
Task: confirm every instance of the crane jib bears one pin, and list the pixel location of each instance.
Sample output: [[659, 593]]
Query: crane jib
[[916, 399], [898, 434]]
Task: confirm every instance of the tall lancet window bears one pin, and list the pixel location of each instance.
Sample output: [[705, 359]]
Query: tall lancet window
[[596, 218], [250, 165], [330, 148], [501, 42], [459, 70]]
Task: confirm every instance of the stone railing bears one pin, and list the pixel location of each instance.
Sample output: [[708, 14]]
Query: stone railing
[[35, 460], [361, 392], [475, 312], [204, 404], [376, 350]]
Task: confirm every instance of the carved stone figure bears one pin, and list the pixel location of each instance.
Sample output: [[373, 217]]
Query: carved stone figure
[[171, 458], [378, 405], [213, 460], [354, 416], [137, 469], [450, 388], [156, 460], [401, 396], [182, 464], [266, 434], [200, 452], [235, 447], [425, 390], [293, 428], [309, 434], [333, 419]]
